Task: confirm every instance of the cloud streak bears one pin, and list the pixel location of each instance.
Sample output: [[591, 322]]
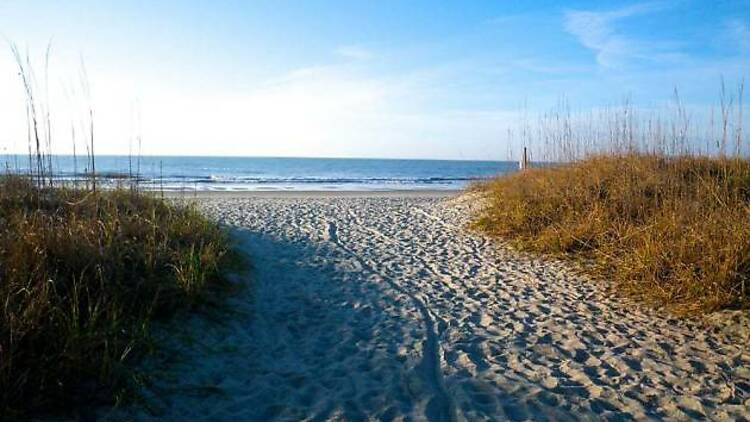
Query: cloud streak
[[596, 31], [739, 33], [354, 52]]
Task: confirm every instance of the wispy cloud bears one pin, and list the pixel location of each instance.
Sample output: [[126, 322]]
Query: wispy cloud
[[595, 30], [739, 32], [545, 67], [354, 52]]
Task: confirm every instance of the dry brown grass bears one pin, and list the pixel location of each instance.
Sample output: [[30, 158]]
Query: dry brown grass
[[672, 231], [82, 275]]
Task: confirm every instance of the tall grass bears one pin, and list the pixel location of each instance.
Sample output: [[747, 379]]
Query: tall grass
[[660, 205], [84, 271], [670, 128], [40, 124], [673, 231], [83, 274]]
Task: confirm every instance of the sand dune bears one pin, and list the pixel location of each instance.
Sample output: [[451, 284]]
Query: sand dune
[[387, 308]]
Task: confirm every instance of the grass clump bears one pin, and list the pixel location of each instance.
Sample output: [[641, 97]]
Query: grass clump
[[674, 231], [82, 274]]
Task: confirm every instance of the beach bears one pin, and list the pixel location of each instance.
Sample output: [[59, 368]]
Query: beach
[[375, 211], [384, 306]]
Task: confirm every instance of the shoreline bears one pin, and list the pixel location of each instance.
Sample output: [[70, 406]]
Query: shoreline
[[308, 194]]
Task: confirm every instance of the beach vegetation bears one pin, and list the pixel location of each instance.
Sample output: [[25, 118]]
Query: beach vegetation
[[86, 271], [82, 276], [638, 203]]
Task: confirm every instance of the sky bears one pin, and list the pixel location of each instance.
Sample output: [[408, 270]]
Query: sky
[[392, 79]]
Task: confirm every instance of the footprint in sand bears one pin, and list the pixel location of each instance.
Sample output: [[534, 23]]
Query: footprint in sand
[[332, 235], [386, 309]]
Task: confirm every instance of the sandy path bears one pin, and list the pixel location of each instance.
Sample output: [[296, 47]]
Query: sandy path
[[386, 308]]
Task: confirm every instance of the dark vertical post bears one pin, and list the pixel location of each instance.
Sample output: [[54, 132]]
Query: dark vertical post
[[93, 156]]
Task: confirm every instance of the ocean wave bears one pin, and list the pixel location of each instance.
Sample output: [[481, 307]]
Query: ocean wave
[[239, 183], [309, 180], [202, 173]]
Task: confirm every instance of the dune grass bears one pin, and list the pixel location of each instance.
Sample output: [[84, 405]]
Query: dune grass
[[673, 231], [82, 276]]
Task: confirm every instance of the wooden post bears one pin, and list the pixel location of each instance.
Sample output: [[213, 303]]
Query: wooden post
[[524, 160]]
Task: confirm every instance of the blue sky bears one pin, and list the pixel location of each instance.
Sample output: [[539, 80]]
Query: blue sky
[[427, 79]]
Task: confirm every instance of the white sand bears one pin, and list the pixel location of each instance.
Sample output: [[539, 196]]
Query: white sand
[[386, 308]]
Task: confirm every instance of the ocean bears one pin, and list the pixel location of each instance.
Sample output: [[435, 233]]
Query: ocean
[[173, 173]]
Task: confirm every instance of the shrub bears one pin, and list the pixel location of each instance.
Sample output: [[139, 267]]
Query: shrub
[[82, 274], [673, 231]]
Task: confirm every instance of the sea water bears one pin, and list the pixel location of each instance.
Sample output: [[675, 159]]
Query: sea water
[[172, 173]]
